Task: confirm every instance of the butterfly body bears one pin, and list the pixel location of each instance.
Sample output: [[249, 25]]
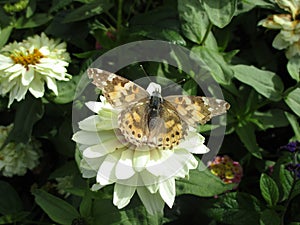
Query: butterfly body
[[146, 118]]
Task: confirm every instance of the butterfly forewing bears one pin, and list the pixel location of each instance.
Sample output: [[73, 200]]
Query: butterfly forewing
[[117, 90], [160, 124]]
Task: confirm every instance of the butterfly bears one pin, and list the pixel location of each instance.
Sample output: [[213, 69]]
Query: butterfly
[[147, 118]]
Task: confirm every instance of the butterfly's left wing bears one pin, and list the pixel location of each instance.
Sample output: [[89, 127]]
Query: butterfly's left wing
[[196, 109], [117, 90]]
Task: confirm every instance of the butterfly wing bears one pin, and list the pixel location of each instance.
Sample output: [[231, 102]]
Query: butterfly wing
[[166, 131], [197, 109], [117, 90]]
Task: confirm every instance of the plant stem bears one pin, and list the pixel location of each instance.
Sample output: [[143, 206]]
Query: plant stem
[[119, 18]]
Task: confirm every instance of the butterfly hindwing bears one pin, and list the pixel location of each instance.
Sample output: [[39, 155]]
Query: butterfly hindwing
[[117, 90], [167, 130], [197, 109], [162, 123]]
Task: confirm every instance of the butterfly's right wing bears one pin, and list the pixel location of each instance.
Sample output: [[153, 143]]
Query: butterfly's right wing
[[197, 109], [117, 90]]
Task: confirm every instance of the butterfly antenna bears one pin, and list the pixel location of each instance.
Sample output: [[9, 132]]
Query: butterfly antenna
[[175, 84], [147, 75]]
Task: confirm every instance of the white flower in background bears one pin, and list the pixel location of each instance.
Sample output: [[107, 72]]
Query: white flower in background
[[17, 158], [28, 65], [289, 26], [149, 172]]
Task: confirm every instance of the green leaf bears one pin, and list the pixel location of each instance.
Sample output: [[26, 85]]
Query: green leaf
[[194, 21], [293, 100], [264, 82], [36, 20], [66, 91], [58, 210], [86, 11], [284, 181], [235, 208], [31, 8], [59, 4], [272, 118], [294, 123], [13, 218], [191, 87], [10, 201], [4, 35], [269, 189], [135, 214], [246, 134], [296, 190], [220, 12], [293, 67], [203, 184], [219, 68], [162, 34], [28, 112], [269, 217], [85, 207]]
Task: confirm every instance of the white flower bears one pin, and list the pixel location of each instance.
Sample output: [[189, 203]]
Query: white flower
[[289, 35], [149, 172], [16, 158], [28, 65]]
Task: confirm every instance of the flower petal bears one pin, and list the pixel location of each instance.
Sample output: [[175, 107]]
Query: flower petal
[[194, 143], [167, 191], [106, 172], [36, 88], [152, 202], [140, 159], [122, 195], [124, 168]]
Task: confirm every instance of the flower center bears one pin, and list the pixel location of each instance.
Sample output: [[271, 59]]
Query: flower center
[[27, 58]]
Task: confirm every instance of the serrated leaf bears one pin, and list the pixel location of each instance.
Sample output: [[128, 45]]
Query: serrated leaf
[[293, 67], [220, 12], [285, 182], [194, 21], [235, 208], [246, 134], [203, 184], [296, 190], [269, 189], [264, 82], [293, 100], [57, 209], [10, 201]]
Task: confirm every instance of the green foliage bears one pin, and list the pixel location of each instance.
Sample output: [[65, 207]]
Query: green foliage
[[260, 83]]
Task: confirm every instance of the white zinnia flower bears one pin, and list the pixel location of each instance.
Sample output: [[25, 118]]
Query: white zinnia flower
[[289, 36], [29, 64], [149, 172], [16, 158]]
